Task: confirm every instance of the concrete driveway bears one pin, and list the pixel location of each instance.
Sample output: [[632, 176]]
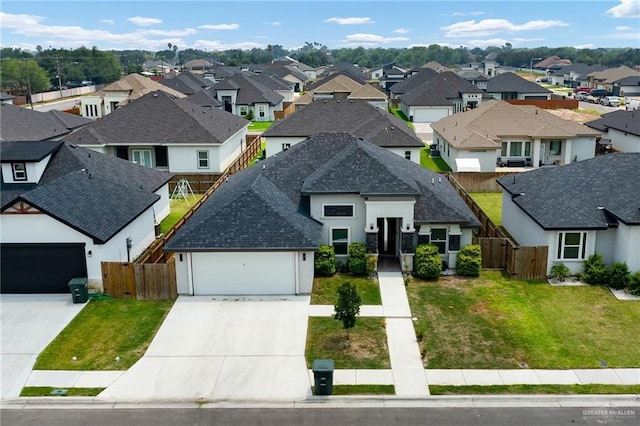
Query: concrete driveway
[[28, 323], [242, 348]]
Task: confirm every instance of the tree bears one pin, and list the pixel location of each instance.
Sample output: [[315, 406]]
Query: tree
[[347, 305], [20, 74]]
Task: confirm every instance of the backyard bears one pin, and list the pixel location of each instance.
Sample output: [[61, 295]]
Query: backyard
[[436, 164], [179, 207], [490, 203]]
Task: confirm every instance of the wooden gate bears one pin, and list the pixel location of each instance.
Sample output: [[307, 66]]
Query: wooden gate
[[494, 252], [142, 281], [527, 262]]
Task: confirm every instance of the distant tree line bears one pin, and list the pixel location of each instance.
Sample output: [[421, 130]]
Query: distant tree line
[[39, 70]]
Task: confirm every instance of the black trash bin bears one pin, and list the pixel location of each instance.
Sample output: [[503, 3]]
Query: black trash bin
[[323, 376], [79, 290]]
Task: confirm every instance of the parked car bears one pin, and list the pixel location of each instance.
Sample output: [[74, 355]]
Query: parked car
[[632, 104], [601, 93], [582, 90], [582, 96], [613, 101], [591, 98]]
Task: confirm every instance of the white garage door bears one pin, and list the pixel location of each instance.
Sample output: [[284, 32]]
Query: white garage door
[[244, 273], [429, 115]]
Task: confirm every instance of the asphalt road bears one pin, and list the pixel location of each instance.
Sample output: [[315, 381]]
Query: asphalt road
[[323, 416], [600, 108], [62, 105]]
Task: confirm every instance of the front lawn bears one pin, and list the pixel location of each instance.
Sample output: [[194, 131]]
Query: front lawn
[[325, 289], [436, 164], [491, 204], [259, 126], [493, 322], [365, 348], [103, 331], [179, 208]]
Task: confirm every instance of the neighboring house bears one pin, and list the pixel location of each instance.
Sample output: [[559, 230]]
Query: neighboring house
[[474, 77], [290, 74], [378, 73], [310, 72], [414, 80], [6, 99], [356, 117], [573, 75], [390, 77], [198, 65], [332, 189], [621, 129], [280, 86], [340, 86], [627, 86], [552, 62], [241, 93], [187, 83], [162, 132], [350, 70], [509, 85], [606, 79], [115, 95], [66, 209], [577, 210], [442, 95], [25, 124], [436, 66], [498, 133], [157, 67]]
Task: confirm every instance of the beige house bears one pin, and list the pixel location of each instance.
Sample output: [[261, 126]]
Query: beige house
[[343, 87], [605, 79], [117, 94]]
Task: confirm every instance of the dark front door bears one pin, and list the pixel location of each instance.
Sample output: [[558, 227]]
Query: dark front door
[[40, 268], [387, 230]]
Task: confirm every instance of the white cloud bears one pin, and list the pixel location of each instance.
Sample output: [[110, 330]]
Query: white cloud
[[476, 13], [170, 33], [108, 21], [494, 26], [144, 22], [441, 44], [219, 27], [585, 46], [400, 31], [623, 28], [458, 14], [8, 20], [350, 21], [212, 45], [626, 9], [370, 39], [275, 23], [489, 42]]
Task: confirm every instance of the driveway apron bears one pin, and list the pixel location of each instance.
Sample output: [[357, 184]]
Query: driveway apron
[[223, 347]]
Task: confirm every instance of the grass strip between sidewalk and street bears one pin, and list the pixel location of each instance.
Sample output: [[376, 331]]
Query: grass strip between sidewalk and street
[[594, 389], [105, 335], [325, 289], [47, 391], [363, 390]]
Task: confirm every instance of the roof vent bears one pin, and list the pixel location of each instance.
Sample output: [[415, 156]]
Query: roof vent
[[140, 186], [155, 95], [72, 145], [264, 167], [433, 181], [600, 208]]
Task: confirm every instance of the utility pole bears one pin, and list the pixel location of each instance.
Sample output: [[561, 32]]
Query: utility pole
[[59, 76], [26, 68]]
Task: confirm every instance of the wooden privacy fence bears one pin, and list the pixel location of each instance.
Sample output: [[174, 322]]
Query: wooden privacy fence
[[155, 252], [199, 182], [480, 182], [498, 251], [141, 281]]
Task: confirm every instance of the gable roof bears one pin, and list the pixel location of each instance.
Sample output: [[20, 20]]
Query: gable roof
[[579, 68], [613, 74], [284, 70], [24, 124], [272, 198], [441, 89], [588, 194], [367, 91], [137, 85], [416, 80], [340, 83], [624, 121], [352, 71], [355, 116], [205, 98], [633, 80], [249, 91], [552, 61], [491, 122], [187, 83], [472, 75], [160, 119], [511, 82], [30, 151], [93, 193]]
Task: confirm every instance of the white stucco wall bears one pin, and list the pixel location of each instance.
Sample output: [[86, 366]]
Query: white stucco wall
[[622, 142], [379, 207], [184, 158], [273, 145], [355, 224], [415, 153], [583, 148], [382, 104], [162, 207], [627, 246]]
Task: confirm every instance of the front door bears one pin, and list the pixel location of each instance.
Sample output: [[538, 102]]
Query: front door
[[142, 157], [387, 231], [542, 153]]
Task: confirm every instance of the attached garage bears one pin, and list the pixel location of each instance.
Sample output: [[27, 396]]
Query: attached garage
[[243, 273], [40, 268], [429, 115]]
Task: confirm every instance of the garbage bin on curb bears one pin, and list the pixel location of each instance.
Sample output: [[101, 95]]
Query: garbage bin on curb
[[323, 376], [79, 290]]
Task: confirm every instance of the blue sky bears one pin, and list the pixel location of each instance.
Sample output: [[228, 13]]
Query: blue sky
[[235, 24]]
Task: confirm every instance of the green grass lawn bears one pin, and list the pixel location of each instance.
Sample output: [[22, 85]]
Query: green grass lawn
[[365, 348], [179, 208], [46, 391], [364, 390], [493, 322], [534, 389], [259, 126], [102, 331], [435, 164], [398, 113], [325, 289], [491, 203]]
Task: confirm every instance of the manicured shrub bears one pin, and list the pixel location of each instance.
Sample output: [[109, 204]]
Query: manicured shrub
[[325, 261], [619, 276], [559, 271], [372, 264], [595, 271], [634, 283], [427, 262], [469, 261], [250, 115], [357, 259]]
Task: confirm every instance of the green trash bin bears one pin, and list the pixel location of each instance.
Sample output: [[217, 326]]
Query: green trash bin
[[79, 290], [323, 376]]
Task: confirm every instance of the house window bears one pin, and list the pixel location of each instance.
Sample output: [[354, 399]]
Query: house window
[[261, 111], [572, 245], [407, 155], [162, 157], [286, 146], [142, 157], [515, 150], [340, 240], [439, 238], [243, 110], [19, 171], [555, 147], [503, 149], [338, 210], [203, 159], [527, 149]]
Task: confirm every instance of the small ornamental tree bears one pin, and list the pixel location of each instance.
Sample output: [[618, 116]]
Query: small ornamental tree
[[469, 261], [619, 276], [325, 261], [347, 305], [249, 116], [634, 283], [595, 271], [357, 260], [427, 262]]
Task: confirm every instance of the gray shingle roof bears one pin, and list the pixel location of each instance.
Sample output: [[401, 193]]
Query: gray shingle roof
[[24, 124], [96, 194], [416, 80], [267, 208], [354, 116], [624, 121], [511, 82], [440, 90], [250, 91], [285, 70], [633, 80], [205, 98], [587, 194], [157, 119], [31, 151]]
